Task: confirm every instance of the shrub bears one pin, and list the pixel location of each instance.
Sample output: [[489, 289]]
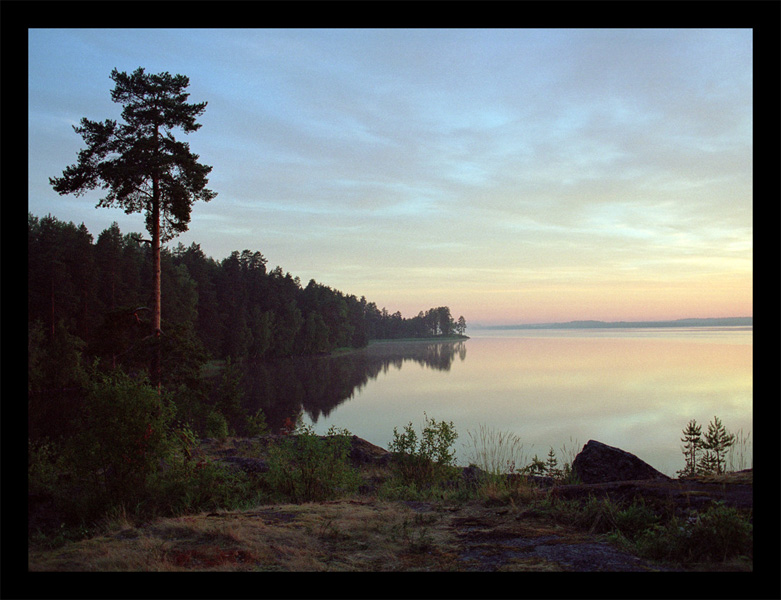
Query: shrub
[[601, 515], [122, 437], [216, 425], [598, 516], [428, 461], [718, 534], [635, 520], [721, 533], [201, 485], [256, 424], [307, 468], [45, 463]]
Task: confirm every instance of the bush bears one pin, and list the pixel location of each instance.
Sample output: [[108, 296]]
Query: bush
[[427, 462], [635, 520], [256, 424], [192, 486], [603, 516], [304, 467], [216, 425], [45, 463], [718, 534], [123, 436]]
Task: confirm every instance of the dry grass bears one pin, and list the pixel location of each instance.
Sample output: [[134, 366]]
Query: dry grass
[[745, 477], [358, 535], [334, 536]]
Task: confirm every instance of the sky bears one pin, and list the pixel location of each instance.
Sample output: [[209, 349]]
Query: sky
[[516, 176]]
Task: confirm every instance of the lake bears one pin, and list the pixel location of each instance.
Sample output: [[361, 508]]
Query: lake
[[635, 389]]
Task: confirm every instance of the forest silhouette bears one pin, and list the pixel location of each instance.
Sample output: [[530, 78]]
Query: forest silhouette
[[88, 304]]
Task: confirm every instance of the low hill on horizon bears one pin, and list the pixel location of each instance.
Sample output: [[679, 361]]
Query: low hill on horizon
[[707, 322]]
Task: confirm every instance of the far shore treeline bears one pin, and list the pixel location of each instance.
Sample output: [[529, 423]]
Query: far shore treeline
[[99, 293]]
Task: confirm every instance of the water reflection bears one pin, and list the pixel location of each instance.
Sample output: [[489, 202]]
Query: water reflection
[[632, 389], [315, 386]]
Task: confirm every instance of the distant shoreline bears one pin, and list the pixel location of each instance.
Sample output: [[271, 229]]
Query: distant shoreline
[[437, 338], [716, 322]]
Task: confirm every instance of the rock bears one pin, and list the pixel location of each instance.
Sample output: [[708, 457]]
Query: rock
[[472, 475], [364, 453], [600, 463]]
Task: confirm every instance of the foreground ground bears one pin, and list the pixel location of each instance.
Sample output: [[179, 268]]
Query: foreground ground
[[366, 533], [360, 534]]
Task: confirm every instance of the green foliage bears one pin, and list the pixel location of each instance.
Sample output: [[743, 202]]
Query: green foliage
[[551, 465], [141, 156], [216, 425], [602, 516], [536, 466], [692, 444], [550, 468], [230, 393], [128, 454], [597, 515], [717, 441], [122, 436], [708, 455], [37, 358], [45, 464], [55, 362], [190, 486], [718, 534], [634, 520], [256, 424], [232, 308], [427, 460], [303, 467]]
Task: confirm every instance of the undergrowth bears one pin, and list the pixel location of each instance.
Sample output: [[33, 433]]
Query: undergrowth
[[153, 470], [717, 534]]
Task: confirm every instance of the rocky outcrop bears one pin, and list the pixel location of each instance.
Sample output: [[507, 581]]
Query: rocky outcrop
[[600, 463], [364, 453]]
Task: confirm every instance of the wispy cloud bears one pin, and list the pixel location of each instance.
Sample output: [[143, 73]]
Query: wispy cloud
[[403, 164]]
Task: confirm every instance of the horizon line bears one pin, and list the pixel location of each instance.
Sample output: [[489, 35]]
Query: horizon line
[[598, 323]]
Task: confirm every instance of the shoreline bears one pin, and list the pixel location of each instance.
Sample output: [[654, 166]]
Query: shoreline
[[436, 339]]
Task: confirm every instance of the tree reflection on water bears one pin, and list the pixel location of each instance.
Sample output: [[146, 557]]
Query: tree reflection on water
[[286, 388]]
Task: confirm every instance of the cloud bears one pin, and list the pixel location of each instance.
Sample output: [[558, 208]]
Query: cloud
[[453, 163]]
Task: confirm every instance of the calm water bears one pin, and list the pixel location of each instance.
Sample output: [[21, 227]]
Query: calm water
[[631, 388]]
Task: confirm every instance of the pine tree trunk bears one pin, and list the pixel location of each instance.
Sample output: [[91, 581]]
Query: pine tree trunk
[[156, 307]]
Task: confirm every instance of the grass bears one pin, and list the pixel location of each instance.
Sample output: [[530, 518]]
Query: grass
[[740, 454], [495, 451], [307, 513], [346, 535]]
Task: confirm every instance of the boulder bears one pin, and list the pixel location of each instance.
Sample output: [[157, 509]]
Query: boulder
[[600, 463], [364, 453]]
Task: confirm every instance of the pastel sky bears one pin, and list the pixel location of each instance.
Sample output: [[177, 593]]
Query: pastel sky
[[516, 176]]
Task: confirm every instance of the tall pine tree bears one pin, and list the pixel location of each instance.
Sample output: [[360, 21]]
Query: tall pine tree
[[141, 164]]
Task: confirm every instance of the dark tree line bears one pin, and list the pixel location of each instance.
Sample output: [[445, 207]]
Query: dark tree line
[[98, 291]]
